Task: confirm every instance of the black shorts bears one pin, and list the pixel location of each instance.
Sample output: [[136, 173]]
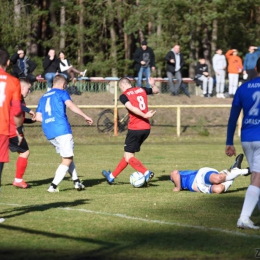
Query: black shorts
[[14, 147], [134, 140]]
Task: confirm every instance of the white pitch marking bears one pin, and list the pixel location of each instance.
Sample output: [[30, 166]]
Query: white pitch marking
[[147, 220]]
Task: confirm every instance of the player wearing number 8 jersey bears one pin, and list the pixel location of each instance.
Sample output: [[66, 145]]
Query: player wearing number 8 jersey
[[10, 96], [247, 98], [51, 111], [135, 101]]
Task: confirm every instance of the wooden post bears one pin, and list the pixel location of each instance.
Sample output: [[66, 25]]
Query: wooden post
[[115, 111], [178, 121]]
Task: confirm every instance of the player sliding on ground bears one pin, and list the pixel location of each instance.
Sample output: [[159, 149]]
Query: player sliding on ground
[[51, 111], [135, 101], [208, 180]]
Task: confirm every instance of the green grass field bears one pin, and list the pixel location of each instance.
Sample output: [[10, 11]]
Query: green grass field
[[119, 221]]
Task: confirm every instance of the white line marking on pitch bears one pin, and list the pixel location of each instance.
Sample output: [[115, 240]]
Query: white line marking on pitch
[[146, 220]]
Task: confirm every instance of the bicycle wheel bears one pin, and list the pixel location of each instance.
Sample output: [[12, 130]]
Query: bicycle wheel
[[122, 123], [105, 122]]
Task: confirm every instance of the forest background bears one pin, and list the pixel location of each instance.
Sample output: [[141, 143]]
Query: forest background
[[102, 35]]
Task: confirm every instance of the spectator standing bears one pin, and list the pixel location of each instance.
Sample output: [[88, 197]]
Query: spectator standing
[[234, 68], [144, 61], [51, 68], [250, 62], [219, 66], [23, 67], [202, 74], [247, 99], [10, 97], [174, 64]]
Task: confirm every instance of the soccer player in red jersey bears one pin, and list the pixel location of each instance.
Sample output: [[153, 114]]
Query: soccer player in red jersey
[[21, 148], [135, 101], [10, 95]]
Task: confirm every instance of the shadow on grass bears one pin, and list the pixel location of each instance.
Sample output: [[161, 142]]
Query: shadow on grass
[[42, 207]]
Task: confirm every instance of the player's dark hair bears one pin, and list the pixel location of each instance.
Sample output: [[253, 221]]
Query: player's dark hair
[[124, 80], [25, 80], [4, 57], [258, 65]]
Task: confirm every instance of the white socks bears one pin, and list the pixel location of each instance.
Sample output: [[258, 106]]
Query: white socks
[[227, 185], [251, 199], [73, 172], [60, 174], [231, 175]]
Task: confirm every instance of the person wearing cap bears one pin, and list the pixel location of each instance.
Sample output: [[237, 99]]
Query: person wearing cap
[[219, 66], [174, 63], [144, 61], [235, 67], [250, 62]]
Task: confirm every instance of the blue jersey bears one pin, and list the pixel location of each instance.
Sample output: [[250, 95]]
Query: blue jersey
[[247, 97], [187, 179], [53, 109]]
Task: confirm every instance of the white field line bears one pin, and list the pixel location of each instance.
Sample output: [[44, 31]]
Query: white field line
[[235, 233]]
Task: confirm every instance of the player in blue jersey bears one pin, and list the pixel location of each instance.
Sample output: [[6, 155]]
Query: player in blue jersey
[[208, 180], [247, 98], [51, 111]]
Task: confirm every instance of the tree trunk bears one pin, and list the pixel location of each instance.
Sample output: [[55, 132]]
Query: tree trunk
[[62, 24], [81, 34], [214, 36]]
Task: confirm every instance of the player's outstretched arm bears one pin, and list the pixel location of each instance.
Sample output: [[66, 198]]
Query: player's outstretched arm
[[74, 108], [154, 87]]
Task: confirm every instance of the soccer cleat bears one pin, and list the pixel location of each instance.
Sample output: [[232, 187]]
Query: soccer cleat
[[21, 184], [2, 220], [79, 186], [106, 174], [148, 178], [246, 224], [238, 162], [249, 172], [52, 190]]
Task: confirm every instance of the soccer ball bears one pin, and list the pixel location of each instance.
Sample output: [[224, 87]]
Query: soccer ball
[[137, 179]]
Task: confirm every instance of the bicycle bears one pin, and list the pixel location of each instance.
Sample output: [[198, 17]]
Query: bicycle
[[105, 122]]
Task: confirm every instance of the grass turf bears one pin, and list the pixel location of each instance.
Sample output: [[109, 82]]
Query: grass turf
[[119, 221]]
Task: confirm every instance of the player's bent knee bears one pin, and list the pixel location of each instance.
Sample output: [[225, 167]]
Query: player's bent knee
[[218, 189]]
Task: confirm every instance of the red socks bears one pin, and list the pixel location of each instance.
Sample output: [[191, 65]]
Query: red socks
[[120, 167], [21, 165], [137, 165]]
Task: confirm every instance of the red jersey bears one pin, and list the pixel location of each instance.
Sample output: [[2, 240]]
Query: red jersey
[[138, 98], [10, 93]]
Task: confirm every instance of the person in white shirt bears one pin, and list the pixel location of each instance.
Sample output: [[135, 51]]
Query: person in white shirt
[[219, 66], [66, 67]]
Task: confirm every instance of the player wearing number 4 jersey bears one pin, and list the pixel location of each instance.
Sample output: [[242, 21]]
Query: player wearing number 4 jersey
[[135, 101], [51, 111], [10, 96], [247, 97]]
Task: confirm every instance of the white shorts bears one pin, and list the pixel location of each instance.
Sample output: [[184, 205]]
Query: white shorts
[[200, 179], [64, 145], [252, 152]]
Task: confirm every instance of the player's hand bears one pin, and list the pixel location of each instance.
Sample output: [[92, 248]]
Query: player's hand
[[230, 150], [32, 115], [150, 113], [20, 135], [176, 189], [89, 120]]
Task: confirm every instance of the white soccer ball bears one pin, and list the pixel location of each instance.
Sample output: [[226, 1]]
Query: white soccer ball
[[137, 179]]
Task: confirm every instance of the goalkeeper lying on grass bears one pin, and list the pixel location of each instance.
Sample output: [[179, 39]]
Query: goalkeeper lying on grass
[[208, 180]]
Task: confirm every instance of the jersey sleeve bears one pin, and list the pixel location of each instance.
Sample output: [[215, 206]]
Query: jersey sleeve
[[148, 91], [123, 98], [39, 107], [65, 96]]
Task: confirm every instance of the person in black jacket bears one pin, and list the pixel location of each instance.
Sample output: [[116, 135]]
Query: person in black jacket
[[23, 67], [174, 64], [51, 67], [202, 74], [144, 61]]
